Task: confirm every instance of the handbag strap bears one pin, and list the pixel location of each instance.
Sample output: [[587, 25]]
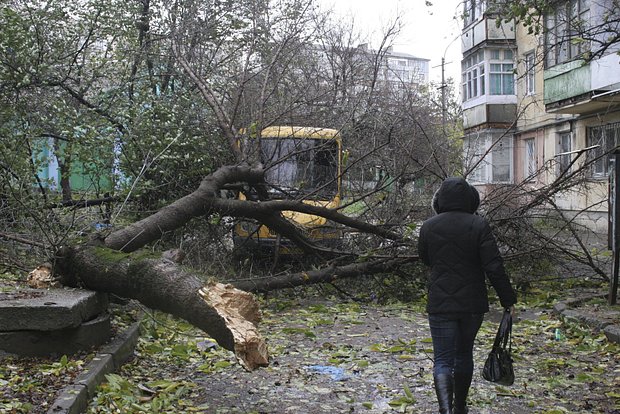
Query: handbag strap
[[504, 332], [508, 331]]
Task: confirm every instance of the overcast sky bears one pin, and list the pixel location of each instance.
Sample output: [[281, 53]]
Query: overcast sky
[[429, 30]]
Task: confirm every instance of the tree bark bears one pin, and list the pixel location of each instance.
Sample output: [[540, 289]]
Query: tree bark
[[175, 215], [227, 314], [206, 200]]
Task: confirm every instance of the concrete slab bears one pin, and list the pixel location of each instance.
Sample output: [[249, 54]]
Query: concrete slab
[[27, 309], [60, 342], [605, 321]]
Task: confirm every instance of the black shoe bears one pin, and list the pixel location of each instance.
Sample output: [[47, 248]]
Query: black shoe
[[444, 388], [462, 382]]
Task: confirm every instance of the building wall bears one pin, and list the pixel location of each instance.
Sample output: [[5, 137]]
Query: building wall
[[556, 116], [404, 68], [531, 110], [85, 177]]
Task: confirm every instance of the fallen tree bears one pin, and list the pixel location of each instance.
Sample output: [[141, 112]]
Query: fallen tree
[[228, 313], [162, 137], [325, 275]]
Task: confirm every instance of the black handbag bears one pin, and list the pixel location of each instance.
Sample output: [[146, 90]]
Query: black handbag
[[498, 366]]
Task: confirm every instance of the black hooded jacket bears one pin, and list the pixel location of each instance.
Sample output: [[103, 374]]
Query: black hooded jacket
[[461, 250]]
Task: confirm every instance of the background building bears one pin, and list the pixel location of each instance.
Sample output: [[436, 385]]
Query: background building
[[403, 67]]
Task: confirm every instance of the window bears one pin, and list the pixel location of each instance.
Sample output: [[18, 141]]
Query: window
[[477, 151], [564, 31], [306, 166], [501, 160], [473, 76], [500, 72], [530, 166], [530, 84], [608, 138], [490, 159], [473, 10], [501, 79], [496, 6], [563, 149]]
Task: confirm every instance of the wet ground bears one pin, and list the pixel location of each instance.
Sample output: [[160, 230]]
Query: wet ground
[[335, 356], [340, 358]]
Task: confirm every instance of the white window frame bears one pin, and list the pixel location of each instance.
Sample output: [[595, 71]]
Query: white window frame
[[474, 76], [530, 160], [504, 72], [564, 146], [478, 149], [504, 149], [473, 10], [530, 72], [488, 169]]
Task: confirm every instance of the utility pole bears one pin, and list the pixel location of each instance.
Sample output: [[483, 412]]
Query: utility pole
[[443, 91], [443, 87], [444, 105]]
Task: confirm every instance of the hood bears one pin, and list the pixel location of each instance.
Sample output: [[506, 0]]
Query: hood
[[456, 194]]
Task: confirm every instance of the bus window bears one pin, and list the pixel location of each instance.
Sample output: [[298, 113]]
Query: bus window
[[326, 167], [307, 166]]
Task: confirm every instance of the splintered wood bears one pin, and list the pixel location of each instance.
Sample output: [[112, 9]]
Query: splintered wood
[[42, 277], [241, 313]]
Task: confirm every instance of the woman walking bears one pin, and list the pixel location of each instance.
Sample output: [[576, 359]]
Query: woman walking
[[460, 249]]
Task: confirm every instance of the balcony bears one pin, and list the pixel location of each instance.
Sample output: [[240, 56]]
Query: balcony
[[486, 30], [577, 87], [488, 110]]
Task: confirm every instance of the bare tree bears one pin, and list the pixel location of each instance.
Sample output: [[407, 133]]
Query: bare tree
[[201, 74], [589, 30]]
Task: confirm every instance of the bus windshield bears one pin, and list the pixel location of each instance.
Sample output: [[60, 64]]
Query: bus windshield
[[297, 166]]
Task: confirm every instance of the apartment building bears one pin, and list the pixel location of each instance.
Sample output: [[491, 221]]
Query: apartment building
[[400, 67], [537, 106]]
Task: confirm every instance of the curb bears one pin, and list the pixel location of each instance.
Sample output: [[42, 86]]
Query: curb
[[611, 331], [74, 398]]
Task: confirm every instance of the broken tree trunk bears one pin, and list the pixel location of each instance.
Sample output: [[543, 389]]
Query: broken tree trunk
[[227, 314]]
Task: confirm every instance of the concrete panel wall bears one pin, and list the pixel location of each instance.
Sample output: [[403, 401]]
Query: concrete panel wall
[[493, 113], [506, 30], [606, 72], [502, 113]]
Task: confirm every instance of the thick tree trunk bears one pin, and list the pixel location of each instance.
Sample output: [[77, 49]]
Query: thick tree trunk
[[206, 200], [227, 314], [175, 215]]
